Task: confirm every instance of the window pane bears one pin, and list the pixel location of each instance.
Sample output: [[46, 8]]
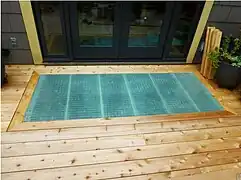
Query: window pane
[[96, 21], [54, 38], [183, 28], [146, 20]]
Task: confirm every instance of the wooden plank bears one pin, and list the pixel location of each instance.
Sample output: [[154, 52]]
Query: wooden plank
[[100, 131], [126, 168], [217, 45], [209, 46], [14, 83], [220, 172], [100, 143], [115, 155], [203, 170], [29, 22], [22, 106], [205, 50], [117, 120], [72, 145], [192, 135]]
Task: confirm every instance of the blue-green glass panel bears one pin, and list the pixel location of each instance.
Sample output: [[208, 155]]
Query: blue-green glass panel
[[116, 101], [84, 97], [63, 97], [49, 99], [144, 95], [177, 101], [198, 92]]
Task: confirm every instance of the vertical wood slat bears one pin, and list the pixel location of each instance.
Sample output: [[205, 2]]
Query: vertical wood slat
[[218, 36], [208, 51], [213, 39], [208, 65], [205, 50]]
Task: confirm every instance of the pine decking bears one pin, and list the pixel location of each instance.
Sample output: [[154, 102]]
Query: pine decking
[[182, 148]]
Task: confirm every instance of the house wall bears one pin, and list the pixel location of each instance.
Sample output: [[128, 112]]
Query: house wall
[[225, 15], [13, 27]]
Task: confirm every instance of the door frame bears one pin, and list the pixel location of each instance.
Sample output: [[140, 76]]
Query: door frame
[[93, 53], [31, 26], [40, 30], [172, 29], [143, 53]]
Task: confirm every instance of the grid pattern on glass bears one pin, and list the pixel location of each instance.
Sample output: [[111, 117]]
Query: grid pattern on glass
[[52, 27], [146, 22], [95, 22], [63, 97]]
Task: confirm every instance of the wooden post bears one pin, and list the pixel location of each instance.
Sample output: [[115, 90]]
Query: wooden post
[[212, 41], [209, 40], [205, 50]]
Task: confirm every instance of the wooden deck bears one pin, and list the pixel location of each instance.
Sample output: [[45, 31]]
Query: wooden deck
[[144, 149]]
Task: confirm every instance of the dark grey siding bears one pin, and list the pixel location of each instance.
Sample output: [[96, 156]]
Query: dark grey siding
[[225, 15], [13, 28]]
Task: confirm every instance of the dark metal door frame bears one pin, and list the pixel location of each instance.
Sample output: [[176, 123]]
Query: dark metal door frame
[[120, 49], [173, 26], [40, 30], [94, 53], [142, 53]]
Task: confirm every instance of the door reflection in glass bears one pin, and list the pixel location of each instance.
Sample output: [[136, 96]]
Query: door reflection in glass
[[146, 22], [181, 35], [52, 27], [95, 22]]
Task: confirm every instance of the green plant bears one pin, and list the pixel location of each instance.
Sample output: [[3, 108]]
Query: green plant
[[236, 61], [214, 57], [230, 51]]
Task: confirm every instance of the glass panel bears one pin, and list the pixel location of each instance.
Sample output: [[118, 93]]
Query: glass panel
[[183, 28], [53, 35], [146, 20], [95, 21]]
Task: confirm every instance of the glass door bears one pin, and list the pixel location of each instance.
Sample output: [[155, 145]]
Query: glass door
[[182, 29], [94, 29], [144, 26]]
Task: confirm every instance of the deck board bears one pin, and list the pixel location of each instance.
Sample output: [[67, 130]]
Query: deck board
[[157, 148]]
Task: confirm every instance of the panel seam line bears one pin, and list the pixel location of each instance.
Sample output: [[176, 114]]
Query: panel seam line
[[68, 95], [101, 98], [159, 94], [130, 96], [187, 94]]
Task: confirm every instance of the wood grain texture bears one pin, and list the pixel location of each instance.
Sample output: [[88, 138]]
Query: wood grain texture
[[25, 100], [205, 50], [212, 41], [106, 142], [128, 167], [141, 148], [18, 76], [118, 120], [209, 47], [214, 36], [29, 22]]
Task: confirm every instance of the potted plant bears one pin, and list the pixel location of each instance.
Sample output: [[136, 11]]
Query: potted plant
[[227, 62]]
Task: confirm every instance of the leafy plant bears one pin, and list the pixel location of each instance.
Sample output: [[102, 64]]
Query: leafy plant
[[236, 61], [230, 51], [214, 57]]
